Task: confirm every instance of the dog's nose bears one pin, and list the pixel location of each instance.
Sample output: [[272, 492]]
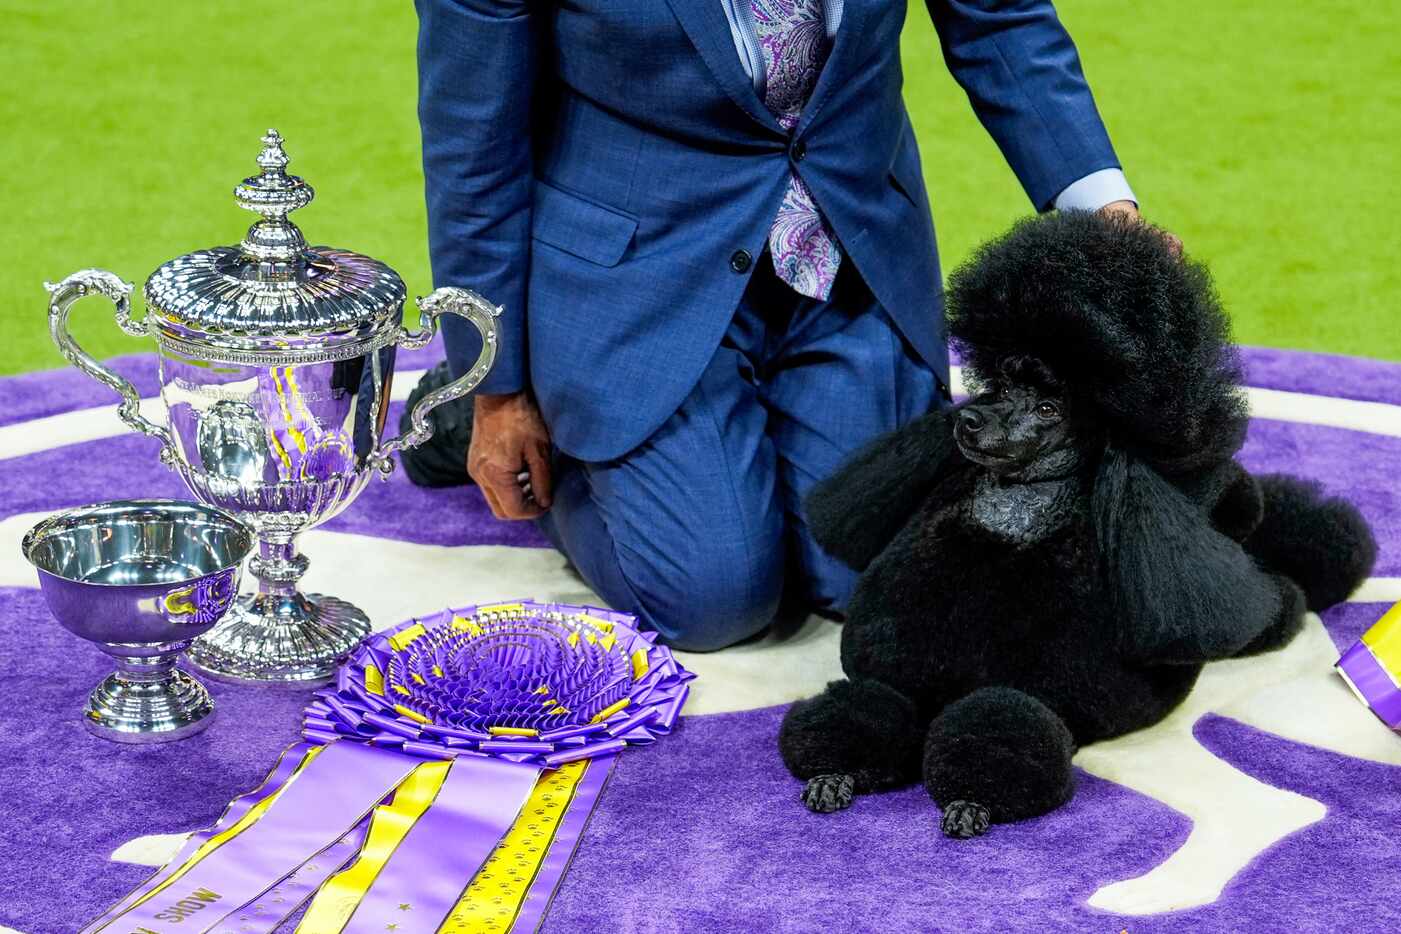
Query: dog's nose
[[971, 420]]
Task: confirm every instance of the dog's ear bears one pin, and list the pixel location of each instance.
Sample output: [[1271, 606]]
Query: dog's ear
[[1183, 592], [855, 512]]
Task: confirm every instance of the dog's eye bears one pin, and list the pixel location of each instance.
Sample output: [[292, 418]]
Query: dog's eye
[[1048, 410]]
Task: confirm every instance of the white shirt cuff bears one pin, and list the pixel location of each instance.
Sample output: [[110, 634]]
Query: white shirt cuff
[[1095, 190]]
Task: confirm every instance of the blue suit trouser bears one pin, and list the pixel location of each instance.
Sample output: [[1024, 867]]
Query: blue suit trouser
[[700, 530]]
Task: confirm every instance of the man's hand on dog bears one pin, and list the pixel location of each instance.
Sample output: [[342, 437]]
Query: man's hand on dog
[[509, 456], [1130, 209]]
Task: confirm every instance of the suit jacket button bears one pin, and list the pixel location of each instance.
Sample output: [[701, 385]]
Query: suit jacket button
[[798, 150], [740, 260]]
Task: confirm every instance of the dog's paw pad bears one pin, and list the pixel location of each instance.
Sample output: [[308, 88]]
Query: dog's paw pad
[[965, 819], [827, 793]]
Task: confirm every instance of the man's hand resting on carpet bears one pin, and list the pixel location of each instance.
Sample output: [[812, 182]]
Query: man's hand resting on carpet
[[1131, 209], [509, 457]]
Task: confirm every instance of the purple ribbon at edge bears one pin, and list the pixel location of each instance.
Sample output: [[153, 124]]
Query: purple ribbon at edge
[[1372, 681]]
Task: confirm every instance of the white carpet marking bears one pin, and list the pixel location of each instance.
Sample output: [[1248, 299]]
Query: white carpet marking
[[1292, 693], [91, 424], [1378, 590], [392, 580], [155, 849]]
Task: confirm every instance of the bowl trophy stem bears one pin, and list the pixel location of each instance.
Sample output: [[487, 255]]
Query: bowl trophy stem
[[147, 700], [280, 635]]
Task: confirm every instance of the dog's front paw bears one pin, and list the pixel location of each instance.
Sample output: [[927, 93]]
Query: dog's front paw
[[965, 819], [827, 793]]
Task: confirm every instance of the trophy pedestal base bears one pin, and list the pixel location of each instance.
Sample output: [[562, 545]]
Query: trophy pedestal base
[[166, 708], [296, 640]]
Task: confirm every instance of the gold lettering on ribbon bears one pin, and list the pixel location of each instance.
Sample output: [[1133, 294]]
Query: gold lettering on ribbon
[[250, 818], [195, 901], [494, 897]]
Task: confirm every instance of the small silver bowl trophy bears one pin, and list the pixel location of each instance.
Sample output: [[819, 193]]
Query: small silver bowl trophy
[[141, 579], [276, 361]]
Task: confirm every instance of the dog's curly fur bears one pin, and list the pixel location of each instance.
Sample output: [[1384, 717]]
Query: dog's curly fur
[[1010, 607]]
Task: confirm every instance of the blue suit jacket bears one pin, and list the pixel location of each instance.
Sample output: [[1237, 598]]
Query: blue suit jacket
[[595, 166]]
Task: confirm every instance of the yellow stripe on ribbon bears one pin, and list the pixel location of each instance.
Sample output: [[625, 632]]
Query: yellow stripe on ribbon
[[411, 714], [512, 731], [338, 898], [640, 665], [254, 814], [494, 897], [462, 624], [607, 712], [1384, 640], [405, 637], [602, 625], [374, 679], [515, 609]]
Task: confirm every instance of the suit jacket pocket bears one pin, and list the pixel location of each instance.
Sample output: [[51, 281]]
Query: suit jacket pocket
[[580, 227]]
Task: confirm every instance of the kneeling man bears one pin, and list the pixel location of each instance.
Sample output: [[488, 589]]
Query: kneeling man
[[707, 222]]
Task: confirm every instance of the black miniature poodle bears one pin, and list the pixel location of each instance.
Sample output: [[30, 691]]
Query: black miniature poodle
[[1052, 562]]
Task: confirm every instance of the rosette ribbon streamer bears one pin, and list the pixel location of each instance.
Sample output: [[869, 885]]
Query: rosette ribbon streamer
[[1372, 668], [442, 785]]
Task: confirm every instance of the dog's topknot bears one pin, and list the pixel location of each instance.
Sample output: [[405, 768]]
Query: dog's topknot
[[1133, 329]]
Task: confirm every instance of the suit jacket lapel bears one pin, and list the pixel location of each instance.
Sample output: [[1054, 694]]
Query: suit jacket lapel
[[845, 56], [709, 31]]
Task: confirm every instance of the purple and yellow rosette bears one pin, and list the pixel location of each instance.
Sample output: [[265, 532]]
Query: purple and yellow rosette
[[443, 782], [540, 684], [1372, 668]]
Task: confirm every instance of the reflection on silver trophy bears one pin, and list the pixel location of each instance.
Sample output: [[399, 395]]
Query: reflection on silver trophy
[[276, 360], [141, 578]]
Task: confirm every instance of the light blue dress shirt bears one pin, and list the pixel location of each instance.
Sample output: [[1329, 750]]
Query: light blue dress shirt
[[1090, 193]]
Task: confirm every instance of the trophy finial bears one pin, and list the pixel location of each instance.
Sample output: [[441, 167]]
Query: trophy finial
[[274, 194], [273, 158]]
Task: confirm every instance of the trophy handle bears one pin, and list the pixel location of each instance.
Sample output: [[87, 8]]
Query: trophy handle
[[452, 301], [61, 299]]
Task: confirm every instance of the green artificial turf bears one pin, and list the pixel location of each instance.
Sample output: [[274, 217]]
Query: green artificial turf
[[1264, 133]]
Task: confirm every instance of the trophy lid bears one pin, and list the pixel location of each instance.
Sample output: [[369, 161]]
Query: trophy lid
[[272, 299]]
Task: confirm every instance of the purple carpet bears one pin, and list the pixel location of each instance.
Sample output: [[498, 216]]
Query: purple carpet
[[702, 832]]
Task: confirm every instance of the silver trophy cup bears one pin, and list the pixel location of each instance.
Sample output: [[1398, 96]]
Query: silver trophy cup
[[141, 578], [276, 362]]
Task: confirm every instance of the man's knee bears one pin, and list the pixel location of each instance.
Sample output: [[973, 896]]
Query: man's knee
[[710, 611]]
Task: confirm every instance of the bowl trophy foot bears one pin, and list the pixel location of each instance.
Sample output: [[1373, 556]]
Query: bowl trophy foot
[[148, 700], [293, 639]]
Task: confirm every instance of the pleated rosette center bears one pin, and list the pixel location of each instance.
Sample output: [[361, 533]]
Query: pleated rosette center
[[539, 683]]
